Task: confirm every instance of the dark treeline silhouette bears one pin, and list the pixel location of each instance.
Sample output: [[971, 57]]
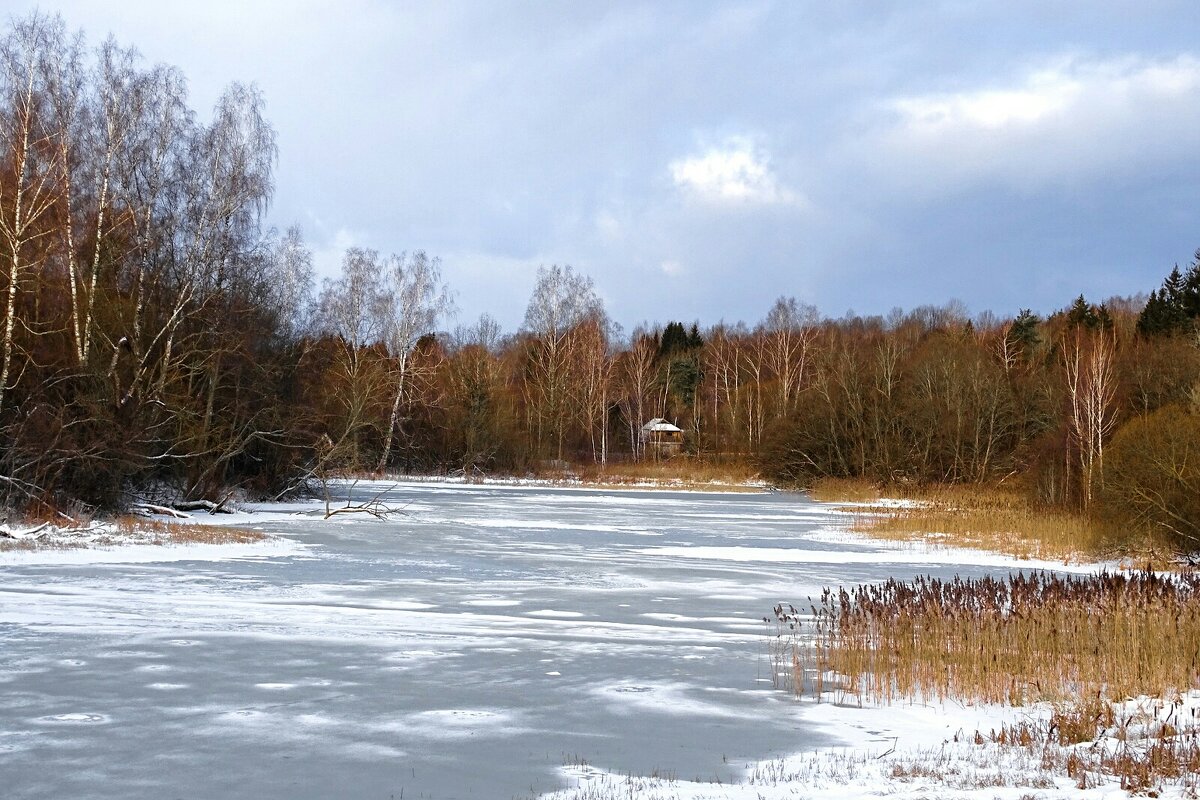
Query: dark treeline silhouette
[[157, 337]]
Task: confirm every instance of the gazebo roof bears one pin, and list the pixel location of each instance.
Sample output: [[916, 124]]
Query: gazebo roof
[[660, 425]]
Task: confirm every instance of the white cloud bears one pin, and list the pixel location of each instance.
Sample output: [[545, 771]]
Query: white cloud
[[1046, 94], [671, 268], [1068, 118], [735, 173]]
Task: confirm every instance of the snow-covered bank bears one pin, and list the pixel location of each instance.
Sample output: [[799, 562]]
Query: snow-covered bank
[[157, 538], [916, 553], [143, 553], [915, 751], [162, 534], [574, 482]]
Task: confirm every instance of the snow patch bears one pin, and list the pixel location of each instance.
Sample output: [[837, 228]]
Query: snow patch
[[461, 723], [916, 553], [671, 699], [75, 718], [155, 553]]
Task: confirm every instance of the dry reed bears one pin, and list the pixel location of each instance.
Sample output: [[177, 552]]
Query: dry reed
[[158, 532], [1086, 644], [1023, 639], [1147, 748], [128, 530], [993, 518], [676, 473]]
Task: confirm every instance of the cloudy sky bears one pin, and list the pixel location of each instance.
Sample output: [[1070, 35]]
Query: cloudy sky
[[699, 160]]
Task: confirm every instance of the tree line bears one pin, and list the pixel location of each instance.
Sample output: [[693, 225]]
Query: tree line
[[158, 336]]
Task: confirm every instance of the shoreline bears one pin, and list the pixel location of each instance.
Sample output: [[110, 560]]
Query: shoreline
[[636, 484]]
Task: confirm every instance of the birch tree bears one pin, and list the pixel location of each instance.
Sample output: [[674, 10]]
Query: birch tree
[[93, 114], [31, 164], [477, 381], [146, 175], [789, 330], [593, 357], [561, 300], [636, 376], [291, 284], [1088, 362], [115, 100], [417, 300], [354, 308], [723, 364], [69, 111]]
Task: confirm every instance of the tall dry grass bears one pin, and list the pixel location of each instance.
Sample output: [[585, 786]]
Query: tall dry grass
[[127, 530], [1027, 638], [159, 532], [1088, 645], [992, 518], [675, 473]]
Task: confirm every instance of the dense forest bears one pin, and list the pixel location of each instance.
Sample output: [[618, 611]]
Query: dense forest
[[158, 337]]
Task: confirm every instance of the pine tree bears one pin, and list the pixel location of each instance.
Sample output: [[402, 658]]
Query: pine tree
[[674, 339], [1175, 308], [1082, 314], [1024, 329], [1189, 292], [1153, 319], [1173, 287]]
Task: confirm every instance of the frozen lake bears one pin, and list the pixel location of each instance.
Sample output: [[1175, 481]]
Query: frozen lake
[[467, 648]]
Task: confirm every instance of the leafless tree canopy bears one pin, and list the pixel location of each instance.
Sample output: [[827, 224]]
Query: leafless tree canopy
[[154, 332]]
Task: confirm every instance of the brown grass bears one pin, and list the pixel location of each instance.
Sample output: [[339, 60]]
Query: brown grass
[[186, 533], [1085, 644], [130, 530], [995, 518], [1149, 753], [845, 490], [677, 473], [1027, 638]]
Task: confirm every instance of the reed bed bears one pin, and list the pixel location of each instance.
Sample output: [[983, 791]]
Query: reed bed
[[1022, 639], [1087, 646], [995, 518], [126, 530], [1147, 744], [675, 473], [846, 490], [158, 532]]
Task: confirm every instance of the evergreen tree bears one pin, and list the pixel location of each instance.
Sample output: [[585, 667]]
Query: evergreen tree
[[1175, 308], [1189, 292], [1173, 287], [1082, 314], [1024, 330], [674, 339], [1153, 320]]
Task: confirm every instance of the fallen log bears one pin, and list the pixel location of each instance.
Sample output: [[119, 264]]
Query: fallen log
[[167, 511]]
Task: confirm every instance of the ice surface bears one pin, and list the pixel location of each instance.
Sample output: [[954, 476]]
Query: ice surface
[[470, 647]]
